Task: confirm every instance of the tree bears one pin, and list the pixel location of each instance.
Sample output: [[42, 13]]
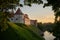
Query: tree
[[56, 7], [5, 5], [39, 25]]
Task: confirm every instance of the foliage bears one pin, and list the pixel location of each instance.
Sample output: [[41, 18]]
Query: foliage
[[6, 4], [40, 26], [56, 30], [15, 32], [9, 4], [56, 7], [3, 21], [54, 3], [29, 2]]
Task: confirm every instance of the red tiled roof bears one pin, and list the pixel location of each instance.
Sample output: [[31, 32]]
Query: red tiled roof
[[18, 11], [26, 16]]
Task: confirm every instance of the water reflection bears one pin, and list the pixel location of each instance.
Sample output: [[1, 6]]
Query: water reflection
[[48, 36]]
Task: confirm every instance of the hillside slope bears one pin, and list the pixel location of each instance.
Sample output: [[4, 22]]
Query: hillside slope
[[16, 32]]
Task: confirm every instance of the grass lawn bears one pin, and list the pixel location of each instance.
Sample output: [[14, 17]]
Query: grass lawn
[[19, 32]]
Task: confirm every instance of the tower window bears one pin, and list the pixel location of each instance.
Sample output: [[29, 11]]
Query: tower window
[[16, 18], [11, 19]]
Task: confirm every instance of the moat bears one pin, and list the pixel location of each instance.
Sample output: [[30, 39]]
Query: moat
[[48, 36]]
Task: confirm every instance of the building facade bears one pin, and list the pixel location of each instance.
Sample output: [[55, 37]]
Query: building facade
[[19, 17], [33, 22], [26, 19]]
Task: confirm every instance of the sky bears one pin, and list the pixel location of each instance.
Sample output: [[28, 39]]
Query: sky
[[37, 12]]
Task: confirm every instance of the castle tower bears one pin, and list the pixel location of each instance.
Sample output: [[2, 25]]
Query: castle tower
[[18, 12], [26, 19], [18, 17]]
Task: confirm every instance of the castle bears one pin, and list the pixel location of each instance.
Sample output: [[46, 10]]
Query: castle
[[19, 17]]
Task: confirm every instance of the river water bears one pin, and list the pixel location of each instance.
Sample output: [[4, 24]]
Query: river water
[[48, 36]]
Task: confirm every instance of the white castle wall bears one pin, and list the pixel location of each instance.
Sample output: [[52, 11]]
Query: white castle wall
[[27, 21], [17, 19]]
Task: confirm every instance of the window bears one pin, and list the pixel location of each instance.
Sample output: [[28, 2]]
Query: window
[[11, 18], [16, 18]]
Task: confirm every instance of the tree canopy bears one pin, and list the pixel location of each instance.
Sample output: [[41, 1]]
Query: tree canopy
[[7, 4], [55, 6], [54, 3]]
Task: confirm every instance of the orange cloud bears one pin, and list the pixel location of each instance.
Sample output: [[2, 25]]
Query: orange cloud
[[44, 19]]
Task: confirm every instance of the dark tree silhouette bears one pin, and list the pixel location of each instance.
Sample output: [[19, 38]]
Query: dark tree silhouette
[[5, 5], [56, 7]]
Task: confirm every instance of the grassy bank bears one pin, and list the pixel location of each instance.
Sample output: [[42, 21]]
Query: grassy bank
[[20, 32]]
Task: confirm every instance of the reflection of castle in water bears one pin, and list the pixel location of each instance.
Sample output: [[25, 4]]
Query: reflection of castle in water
[[19, 17], [48, 36]]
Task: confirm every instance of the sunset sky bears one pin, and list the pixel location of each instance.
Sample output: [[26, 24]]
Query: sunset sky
[[39, 13]]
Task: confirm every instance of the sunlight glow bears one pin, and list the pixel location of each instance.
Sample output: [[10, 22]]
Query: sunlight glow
[[36, 11]]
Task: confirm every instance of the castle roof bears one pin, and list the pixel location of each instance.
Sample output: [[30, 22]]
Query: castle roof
[[26, 16], [18, 12]]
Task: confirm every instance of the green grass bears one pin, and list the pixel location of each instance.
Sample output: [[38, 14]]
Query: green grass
[[19, 32]]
